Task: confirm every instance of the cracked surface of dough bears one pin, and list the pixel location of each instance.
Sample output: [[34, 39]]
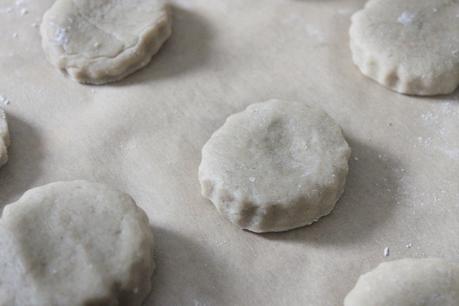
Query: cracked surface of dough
[[98, 42], [74, 243], [275, 166], [408, 282], [411, 46], [4, 138]]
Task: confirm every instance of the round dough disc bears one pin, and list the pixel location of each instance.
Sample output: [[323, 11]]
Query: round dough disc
[[4, 138], [102, 41], [409, 46], [74, 243], [408, 282], [275, 166]]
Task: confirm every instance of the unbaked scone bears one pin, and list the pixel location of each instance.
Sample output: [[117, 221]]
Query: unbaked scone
[[74, 243], [103, 41], [4, 138], [275, 166], [409, 46], [408, 282]]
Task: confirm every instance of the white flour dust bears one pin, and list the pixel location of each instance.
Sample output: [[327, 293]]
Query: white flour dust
[[386, 252], [406, 18], [60, 35], [443, 123], [310, 30], [315, 32]]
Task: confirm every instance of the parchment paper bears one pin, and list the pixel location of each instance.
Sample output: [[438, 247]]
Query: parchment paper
[[143, 135]]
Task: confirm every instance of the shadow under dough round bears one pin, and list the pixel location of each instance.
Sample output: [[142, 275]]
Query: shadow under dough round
[[275, 166], [409, 46], [4, 139], [75, 243], [98, 42], [408, 282]]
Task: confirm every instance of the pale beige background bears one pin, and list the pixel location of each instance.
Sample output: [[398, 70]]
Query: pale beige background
[[143, 135]]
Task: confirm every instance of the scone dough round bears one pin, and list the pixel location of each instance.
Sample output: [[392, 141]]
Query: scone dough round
[[4, 138], [275, 166], [408, 282], [74, 243], [102, 41], [409, 46]]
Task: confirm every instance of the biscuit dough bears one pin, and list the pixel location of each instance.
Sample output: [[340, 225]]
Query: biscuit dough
[[74, 243], [408, 282], [103, 41], [275, 166], [409, 46], [4, 138]]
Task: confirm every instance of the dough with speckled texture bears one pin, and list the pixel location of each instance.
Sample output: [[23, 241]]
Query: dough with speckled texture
[[408, 282], [74, 243], [275, 166], [409, 46], [103, 41]]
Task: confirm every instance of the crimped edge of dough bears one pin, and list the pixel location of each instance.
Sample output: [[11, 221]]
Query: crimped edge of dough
[[270, 217], [122, 65], [389, 74]]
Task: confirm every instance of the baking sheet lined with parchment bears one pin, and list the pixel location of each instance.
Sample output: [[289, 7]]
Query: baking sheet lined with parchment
[[143, 135]]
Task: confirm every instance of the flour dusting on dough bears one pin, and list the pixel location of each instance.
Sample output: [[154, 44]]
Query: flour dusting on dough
[[60, 35], [406, 18]]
